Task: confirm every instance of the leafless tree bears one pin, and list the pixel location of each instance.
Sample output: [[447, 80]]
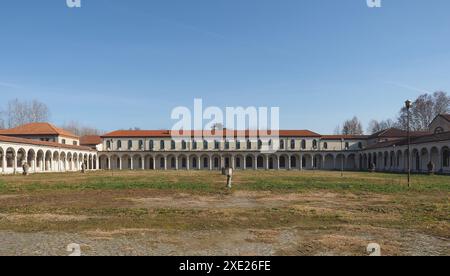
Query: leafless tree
[[352, 127], [376, 126], [80, 130], [23, 112], [425, 108]]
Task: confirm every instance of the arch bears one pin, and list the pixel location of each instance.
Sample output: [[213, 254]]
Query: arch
[[194, 162], [172, 162], [260, 162], [283, 162], [183, 162], [415, 160], [31, 157], [205, 162], [307, 162], [216, 162], [126, 162], [318, 162], [149, 162], [295, 162], [21, 157], [329, 162], [48, 161], [40, 160], [340, 161], [249, 162], [351, 162], [424, 160], [273, 162], [239, 162], [10, 158], [103, 162], [160, 162], [138, 162], [445, 157], [434, 158], [62, 161]]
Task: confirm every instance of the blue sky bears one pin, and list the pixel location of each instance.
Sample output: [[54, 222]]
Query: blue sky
[[118, 64]]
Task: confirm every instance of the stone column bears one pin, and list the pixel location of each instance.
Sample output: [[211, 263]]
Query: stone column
[[210, 163], [120, 162], [267, 163], [3, 162], [131, 163], [109, 163], [301, 162], [188, 159], [289, 162], [143, 161], [165, 163], [15, 163], [245, 163], [233, 162]]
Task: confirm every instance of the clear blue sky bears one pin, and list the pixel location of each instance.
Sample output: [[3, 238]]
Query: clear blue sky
[[117, 63]]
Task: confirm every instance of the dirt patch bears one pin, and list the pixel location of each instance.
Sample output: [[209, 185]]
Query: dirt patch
[[42, 217]]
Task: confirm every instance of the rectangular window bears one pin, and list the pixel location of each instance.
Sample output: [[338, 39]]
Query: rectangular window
[[63, 141]]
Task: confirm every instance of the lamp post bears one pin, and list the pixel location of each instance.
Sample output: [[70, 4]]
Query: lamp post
[[342, 159], [408, 105]]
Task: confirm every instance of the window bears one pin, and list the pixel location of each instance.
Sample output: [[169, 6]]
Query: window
[[438, 130], [325, 145], [194, 146], [162, 145], [183, 145], [282, 144], [119, 144], [216, 145], [108, 144], [130, 144], [260, 144], [238, 144], [205, 145], [303, 144], [249, 144], [360, 146], [314, 144], [75, 143], [347, 145], [227, 144], [292, 144], [63, 141], [173, 145], [141, 144], [151, 145]]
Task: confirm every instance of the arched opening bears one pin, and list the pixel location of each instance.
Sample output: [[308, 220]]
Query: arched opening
[[249, 162], [260, 161], [283, 162], [329, 162]]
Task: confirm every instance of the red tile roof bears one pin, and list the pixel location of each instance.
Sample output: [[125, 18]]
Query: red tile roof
[[33, 129], [90, 140], [397, 133], [8, 139], [219, 133], [345, 137]]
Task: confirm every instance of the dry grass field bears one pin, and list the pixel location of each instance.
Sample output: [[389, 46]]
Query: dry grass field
[[192, 213]]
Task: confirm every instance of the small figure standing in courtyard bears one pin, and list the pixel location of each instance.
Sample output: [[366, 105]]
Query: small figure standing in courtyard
[[25, 168], [83, 168], [229, 173]]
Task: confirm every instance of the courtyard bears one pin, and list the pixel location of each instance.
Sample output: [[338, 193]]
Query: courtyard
[[192, 213]]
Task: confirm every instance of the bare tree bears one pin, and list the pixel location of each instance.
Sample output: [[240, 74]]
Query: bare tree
[[24, 112], [425, 108], [352, 127], [80, 130], [376, 126]]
